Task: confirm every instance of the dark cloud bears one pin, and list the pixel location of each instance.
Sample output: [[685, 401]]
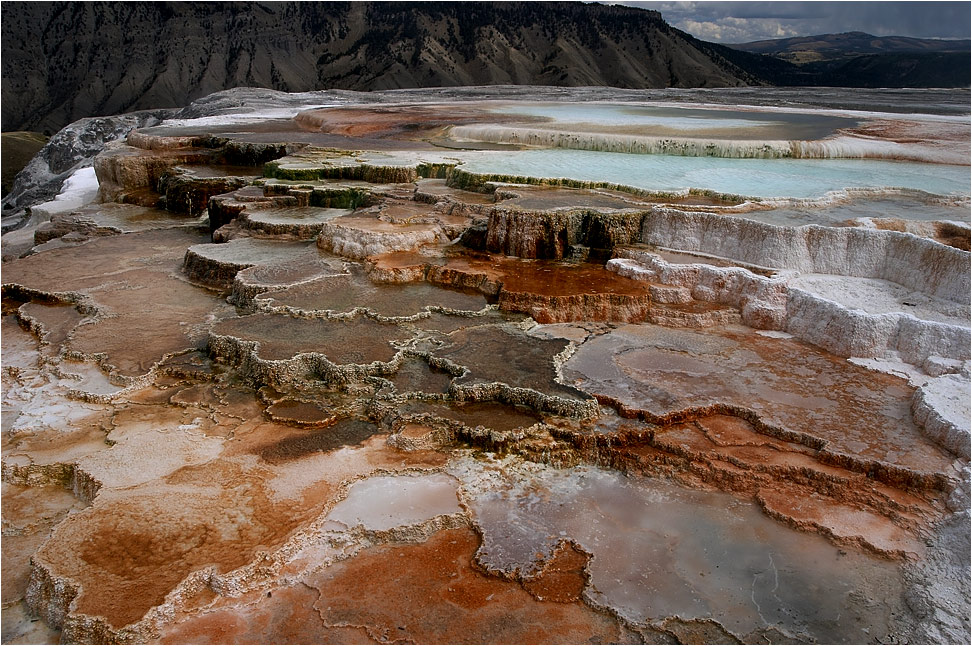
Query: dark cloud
[[746, 21]]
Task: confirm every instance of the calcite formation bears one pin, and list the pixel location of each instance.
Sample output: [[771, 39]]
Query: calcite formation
[[273, 390]]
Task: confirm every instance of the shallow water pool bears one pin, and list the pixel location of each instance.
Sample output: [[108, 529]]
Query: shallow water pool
[[803, 178]]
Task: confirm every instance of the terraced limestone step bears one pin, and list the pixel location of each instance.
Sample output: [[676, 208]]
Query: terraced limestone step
[[695, 314], [277, 350], [359, 236], [299, 222], [217, 264]]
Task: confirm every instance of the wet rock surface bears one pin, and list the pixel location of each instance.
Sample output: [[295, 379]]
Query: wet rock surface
[[366, 403]]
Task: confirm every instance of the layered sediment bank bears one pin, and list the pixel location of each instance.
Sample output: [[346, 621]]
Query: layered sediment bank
[[280, 391]]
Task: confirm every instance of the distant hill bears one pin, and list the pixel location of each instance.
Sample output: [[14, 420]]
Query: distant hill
[[809, 49], [857, 59], [914, 70]]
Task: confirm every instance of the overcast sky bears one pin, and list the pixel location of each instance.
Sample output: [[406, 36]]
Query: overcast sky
[[739, 22]]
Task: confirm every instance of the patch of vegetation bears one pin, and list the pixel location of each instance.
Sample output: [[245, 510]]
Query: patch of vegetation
[[17, 149]]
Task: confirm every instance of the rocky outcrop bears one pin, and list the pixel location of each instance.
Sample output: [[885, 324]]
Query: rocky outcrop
[[309, 166], [190, 195], [352, 351], [916, 263], [72, 148], [231, 152], [326, 407], [77, 145], [62, 224], [302, 223], [361, 236], [226, 207], [558, 234], [855, 333], [123, 170], [148, 165], [760, 299]]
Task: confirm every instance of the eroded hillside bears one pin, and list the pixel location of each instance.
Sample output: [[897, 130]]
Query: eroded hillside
[[59, 61]]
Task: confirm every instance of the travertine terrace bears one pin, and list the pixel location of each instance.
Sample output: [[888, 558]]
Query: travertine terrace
[[494, 371]]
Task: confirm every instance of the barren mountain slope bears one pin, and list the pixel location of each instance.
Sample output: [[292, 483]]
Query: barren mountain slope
[[61, 60]]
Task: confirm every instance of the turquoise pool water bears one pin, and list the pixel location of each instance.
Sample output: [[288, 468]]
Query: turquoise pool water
[[801, 178], [686, 121]]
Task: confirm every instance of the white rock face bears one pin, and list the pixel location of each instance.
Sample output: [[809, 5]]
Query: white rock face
[[771, 303], [916, 263], [941, 407], [761, 300], [876, 296], [871, 293], [79, 189], [855, 333]]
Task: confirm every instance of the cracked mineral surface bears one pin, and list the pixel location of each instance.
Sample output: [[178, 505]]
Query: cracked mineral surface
[[495, 371]]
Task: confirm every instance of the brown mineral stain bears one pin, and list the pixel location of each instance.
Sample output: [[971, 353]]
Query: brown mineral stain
[[285, 616], [728, 430], [150, 321], [347, 293], [397, 260], [699, 632], [562, 578], [417, 376], [431, 594], [682, 438], [347, 432], [545, 277], [397, 122], [953, 235], [190, 365], [86, 266], [549, 291], [29, 514], [507, 356], [131, 548], [301, 413], [195, 395], [497, 417], [847, 523], [786, 384], [58, 321], [359, 341], [796, 484], [416, 431]]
